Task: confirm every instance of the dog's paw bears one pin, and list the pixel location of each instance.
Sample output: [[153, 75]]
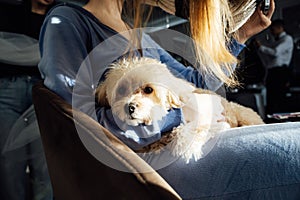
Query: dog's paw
[[189, 141]]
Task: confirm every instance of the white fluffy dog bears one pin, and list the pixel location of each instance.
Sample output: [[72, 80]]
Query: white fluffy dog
[[140, 91]]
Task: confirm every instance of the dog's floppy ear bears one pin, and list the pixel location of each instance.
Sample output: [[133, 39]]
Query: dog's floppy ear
[[101, 96], [174, 100]]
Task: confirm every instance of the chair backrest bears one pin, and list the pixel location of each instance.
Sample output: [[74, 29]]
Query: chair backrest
[[77, 174]]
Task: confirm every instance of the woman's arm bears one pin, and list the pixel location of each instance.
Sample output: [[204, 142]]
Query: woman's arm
[[63, 49], [153, 50], [257, 23]]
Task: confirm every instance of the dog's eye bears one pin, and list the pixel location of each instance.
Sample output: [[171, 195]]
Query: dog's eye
[[148, 90]]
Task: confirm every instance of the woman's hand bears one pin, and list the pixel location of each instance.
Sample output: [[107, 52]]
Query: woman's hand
[[257, 23]]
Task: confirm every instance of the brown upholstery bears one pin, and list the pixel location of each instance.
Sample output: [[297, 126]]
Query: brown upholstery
[[75, 173]]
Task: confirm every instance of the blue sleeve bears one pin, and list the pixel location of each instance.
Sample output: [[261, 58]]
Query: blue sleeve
[[235, 47], [153, 50], [62, 50]]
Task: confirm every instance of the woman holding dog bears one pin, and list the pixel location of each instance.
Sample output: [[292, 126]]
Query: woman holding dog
[[262, 163]]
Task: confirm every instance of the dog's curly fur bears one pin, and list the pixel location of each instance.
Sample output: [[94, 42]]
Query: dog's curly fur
[[126, 78], [236, 115]]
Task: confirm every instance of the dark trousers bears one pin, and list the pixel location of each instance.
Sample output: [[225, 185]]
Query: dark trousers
[[19, 151], [277, 86]]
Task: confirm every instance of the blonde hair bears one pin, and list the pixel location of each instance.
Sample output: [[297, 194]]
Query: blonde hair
[[209, 22], [135, 14], [209, 27]]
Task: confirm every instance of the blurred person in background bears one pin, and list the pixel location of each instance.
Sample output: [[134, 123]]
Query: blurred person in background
[[277, 57], [23, 169]]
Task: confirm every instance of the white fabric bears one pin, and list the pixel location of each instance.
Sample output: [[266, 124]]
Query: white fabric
[[278, 53]]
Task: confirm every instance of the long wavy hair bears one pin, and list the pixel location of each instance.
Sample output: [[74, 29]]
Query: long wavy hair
[[211, 23]]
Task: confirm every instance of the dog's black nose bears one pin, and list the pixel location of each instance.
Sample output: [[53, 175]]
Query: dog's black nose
[[131, 108]]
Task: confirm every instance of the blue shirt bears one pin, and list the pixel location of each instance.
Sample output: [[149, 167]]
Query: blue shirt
[[76, 49]]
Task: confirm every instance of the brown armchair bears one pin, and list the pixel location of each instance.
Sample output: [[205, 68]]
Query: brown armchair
[[77, 174]]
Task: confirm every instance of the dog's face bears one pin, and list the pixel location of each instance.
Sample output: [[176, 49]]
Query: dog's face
[[141, 92], [146, 103]]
